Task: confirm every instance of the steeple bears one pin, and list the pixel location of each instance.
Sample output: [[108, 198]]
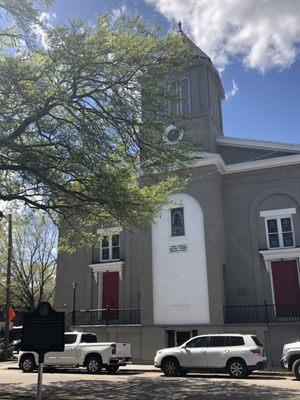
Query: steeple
[[191, 44], [203, 93]]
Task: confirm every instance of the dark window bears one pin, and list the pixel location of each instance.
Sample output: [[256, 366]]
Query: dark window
[[274, 240], [105, 248], [257, 341], [286, 224], [217, 341], [177, 221], [171, 338], [235, 341], [272, 226], [173, 103], [273, 233], [105, 242], [202, 341], [115, 247], [182, 337], [287, 232], [184, 96], [88, 338], [70, 339], [288, 240], [105, 254]]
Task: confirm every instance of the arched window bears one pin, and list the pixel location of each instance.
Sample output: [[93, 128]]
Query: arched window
[[184, 92], [182, 105]]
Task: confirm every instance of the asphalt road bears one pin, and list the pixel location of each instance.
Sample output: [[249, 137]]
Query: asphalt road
[[138, 384]]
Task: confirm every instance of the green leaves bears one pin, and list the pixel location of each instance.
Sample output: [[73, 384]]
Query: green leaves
[[80, 122]]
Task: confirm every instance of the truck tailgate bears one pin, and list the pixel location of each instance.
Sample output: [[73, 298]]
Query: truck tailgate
[[123, 350]]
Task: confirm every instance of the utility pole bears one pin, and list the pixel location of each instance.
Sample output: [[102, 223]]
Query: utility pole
[[74, 285], [8, 279]]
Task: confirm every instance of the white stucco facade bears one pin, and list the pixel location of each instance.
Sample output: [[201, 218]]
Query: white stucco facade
[[180, 289]]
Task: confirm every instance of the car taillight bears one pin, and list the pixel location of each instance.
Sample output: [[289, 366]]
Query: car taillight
[[113, 349], [255, 351]]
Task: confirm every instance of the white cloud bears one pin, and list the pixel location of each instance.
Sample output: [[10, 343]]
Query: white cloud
[[233, 91], [39, 30], [264, 34], [117, 12]]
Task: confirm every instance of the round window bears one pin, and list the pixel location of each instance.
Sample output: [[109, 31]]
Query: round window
[[173, 134]]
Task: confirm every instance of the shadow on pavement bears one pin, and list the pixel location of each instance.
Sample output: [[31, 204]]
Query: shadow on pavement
[[187, 388]]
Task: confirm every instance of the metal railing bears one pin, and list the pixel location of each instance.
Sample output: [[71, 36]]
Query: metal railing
[[104, 317], [262, 313]]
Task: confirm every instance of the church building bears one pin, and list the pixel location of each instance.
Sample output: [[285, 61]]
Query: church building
[[224, 257]]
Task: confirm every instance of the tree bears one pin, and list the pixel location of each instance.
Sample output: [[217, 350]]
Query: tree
[[33, 262], [74, 123]]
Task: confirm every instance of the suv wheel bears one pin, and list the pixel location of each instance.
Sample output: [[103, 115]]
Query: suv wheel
[[296, 369], [237, 369], [28, 363], [170, 367], [93, 365]]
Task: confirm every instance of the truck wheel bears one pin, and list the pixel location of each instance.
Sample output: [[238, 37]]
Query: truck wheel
[[93, 365], [237, 369], [27, 363], [296, 369], [170, 367], [112, 369]]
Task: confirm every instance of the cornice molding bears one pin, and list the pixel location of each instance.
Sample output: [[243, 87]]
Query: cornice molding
[[280, 254], [113, 266], [257, 144]]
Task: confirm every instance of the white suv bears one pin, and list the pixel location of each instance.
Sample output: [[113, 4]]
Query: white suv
[[236, 354]]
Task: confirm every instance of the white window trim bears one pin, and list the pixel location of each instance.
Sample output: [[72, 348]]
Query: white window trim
[[279, 231], [109, 232], [110, 248], [278, 213]]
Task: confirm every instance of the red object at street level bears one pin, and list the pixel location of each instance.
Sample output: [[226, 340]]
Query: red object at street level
[[12, 314]]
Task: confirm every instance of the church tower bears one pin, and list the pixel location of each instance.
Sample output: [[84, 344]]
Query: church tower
[[201, 92]]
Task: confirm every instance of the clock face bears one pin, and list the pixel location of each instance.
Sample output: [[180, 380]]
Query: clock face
[[172, 134]]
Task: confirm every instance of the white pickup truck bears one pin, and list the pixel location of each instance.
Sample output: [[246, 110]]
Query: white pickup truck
[[81, 350]]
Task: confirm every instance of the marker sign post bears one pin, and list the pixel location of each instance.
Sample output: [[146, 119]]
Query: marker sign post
[[43, 331]]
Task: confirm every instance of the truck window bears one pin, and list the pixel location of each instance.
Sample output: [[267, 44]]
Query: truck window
[[88, 338], [70, 339]]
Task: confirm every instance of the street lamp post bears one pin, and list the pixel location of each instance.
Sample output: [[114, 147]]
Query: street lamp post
[[74, 285], [8, 280]]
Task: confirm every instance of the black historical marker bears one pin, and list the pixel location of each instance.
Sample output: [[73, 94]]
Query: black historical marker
[[43, 330]]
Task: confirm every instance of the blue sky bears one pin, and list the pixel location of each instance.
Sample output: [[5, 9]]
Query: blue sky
[[266, 104]]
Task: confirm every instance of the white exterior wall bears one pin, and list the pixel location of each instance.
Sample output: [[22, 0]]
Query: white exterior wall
[[180, 289]]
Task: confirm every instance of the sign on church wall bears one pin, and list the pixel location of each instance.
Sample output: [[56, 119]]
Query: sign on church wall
[[178, 248]]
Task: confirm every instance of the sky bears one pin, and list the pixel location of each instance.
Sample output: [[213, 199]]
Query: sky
[[255, 44]]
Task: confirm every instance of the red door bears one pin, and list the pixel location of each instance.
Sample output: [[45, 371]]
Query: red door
[[110, 295], [286, 288]]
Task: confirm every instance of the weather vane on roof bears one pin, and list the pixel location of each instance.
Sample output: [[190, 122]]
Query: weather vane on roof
[[180, 27]]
